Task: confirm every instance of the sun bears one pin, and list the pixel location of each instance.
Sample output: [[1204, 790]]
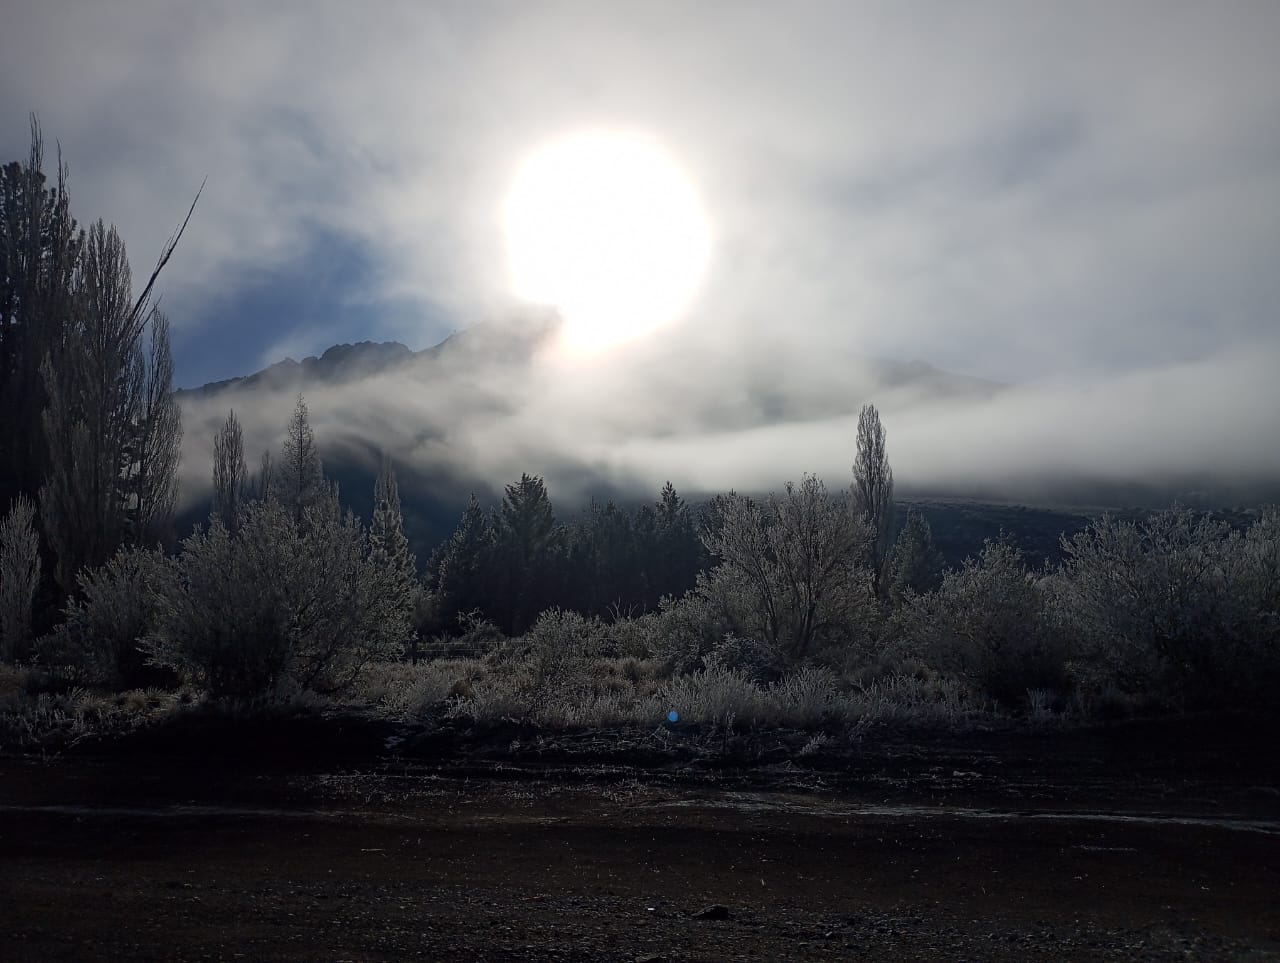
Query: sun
[[609, 230]]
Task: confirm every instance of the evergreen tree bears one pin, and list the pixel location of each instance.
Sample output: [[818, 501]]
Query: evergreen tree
[[527, 540], [461, 570], [230, 475], [915, 564], [299, 477], [387, 533], [679, 549]]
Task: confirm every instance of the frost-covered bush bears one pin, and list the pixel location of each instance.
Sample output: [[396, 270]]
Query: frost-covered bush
[[687, 628], [990, 624], [1176, 607], [717, 696], [309, 604], [757, 660], [788, 573], [807, 698], [415, 691], [103, 636], [915, 700]]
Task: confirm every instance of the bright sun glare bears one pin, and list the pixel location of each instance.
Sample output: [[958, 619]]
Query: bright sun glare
[[609, 230]]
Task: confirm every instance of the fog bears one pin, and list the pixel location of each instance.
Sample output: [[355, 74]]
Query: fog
[[750, 417]]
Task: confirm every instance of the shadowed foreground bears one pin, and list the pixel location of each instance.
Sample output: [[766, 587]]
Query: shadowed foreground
[[111, 859]]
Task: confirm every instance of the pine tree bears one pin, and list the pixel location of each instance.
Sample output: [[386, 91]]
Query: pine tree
[[19, 577], [387, 532], [914, 564], [527, 539], [873, 491], [230, 475], [679, 548], [461, 572], [299, 476]]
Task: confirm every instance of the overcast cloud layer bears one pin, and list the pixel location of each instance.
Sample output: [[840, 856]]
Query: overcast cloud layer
[[1081, 198]]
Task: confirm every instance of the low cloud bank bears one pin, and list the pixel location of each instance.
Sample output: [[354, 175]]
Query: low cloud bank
[[467, 418]]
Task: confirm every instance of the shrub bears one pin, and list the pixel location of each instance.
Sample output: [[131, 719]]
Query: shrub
[[717, 696], [102, 639], [1177, 607], [990, 624], [278, 602], [787, 573], [807, 698]]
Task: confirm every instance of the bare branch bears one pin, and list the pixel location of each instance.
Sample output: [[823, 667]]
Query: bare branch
[[167, 253]]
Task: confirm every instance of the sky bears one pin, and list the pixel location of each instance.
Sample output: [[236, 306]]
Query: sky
[[1080, 199]]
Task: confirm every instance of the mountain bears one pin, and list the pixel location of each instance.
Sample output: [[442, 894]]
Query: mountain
[[470, 413]]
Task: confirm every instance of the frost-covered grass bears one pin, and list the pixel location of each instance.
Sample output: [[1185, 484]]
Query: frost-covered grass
[[33, 719]]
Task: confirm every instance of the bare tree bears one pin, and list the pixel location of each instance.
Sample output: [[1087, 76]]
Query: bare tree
[[19, 577], [158, 434], [230, 474], [265, 485], [873, 491]]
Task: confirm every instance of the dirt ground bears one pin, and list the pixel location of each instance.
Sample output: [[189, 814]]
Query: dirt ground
[[999, 847]]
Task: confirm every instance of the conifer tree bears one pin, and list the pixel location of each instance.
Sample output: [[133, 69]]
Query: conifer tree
[[527, 537], [387, 532], [461, 571], [914, 564], [299, 477]]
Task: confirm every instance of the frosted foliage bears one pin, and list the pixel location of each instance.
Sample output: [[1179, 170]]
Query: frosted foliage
[[280, 602], [787, 575], [1178, 604]]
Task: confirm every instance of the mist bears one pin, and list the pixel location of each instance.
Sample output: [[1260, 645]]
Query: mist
[[711, 417]]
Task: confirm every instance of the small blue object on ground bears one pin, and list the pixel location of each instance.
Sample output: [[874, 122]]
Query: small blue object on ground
[[673, 716]]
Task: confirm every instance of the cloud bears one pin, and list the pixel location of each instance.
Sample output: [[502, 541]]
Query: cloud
[[1011, 192], [1082, 201]]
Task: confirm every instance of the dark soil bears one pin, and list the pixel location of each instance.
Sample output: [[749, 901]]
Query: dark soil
[[346, 838]]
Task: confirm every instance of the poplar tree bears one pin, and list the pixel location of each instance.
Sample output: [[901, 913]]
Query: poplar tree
[[19, 577], [873, 491], [157, 443], [39, 249], [230, 475]]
